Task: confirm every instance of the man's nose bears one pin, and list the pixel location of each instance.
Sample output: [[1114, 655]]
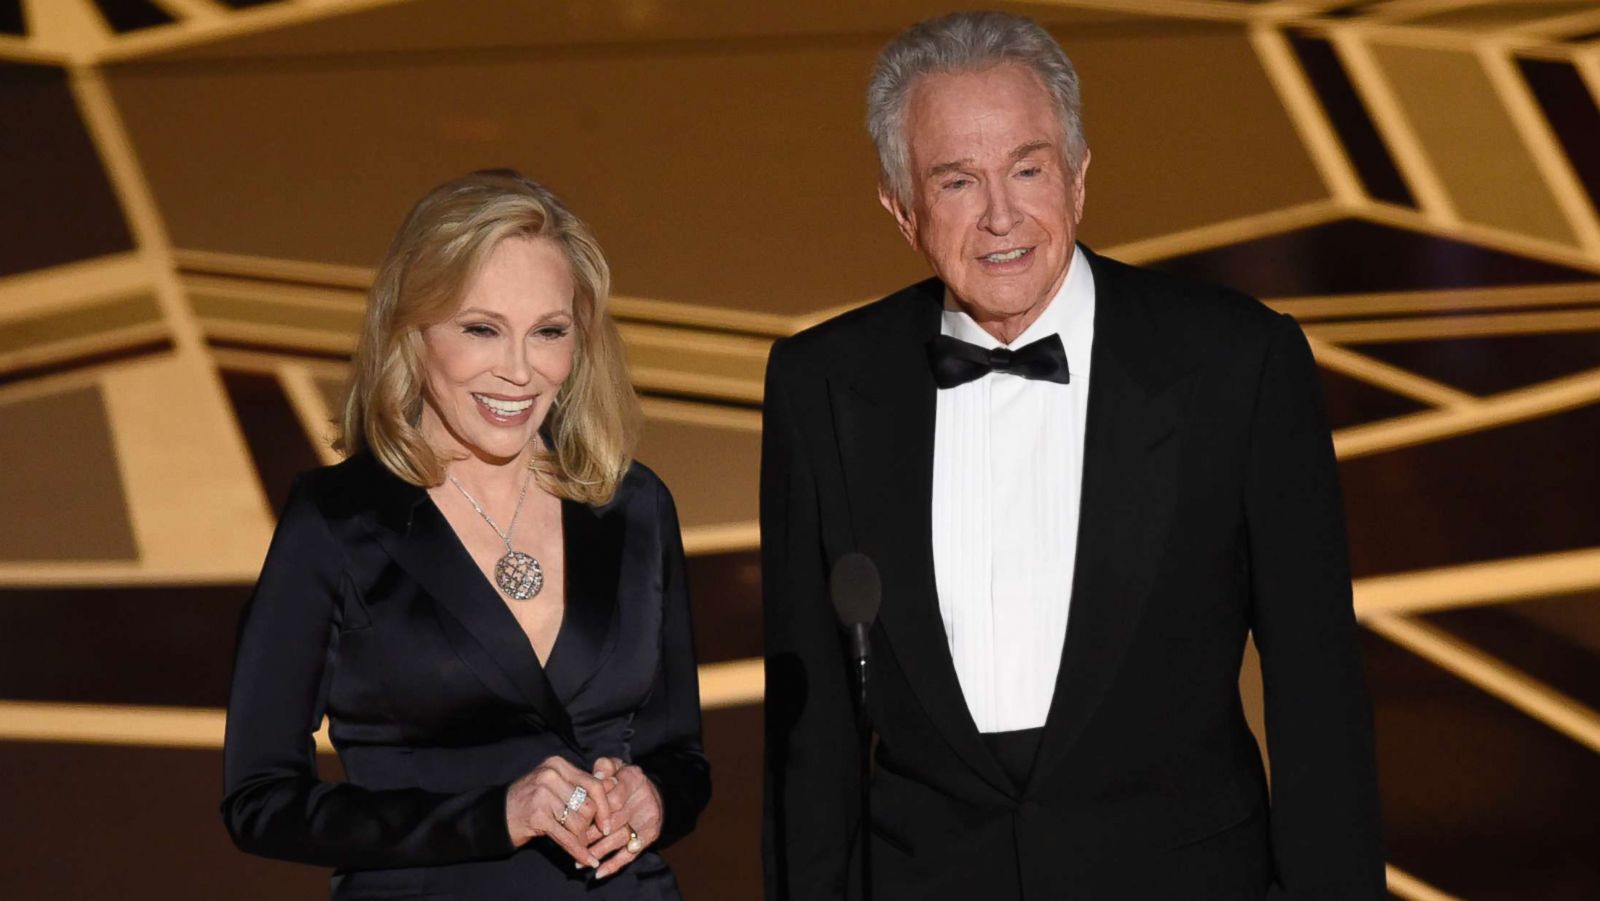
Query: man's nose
[[1000, 212]]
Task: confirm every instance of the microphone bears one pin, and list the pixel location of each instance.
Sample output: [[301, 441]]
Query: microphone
[[857, 594]]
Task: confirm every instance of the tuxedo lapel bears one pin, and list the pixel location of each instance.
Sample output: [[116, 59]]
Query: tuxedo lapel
[[884, 419], [490, 641], [593, 542], [1137, 396]]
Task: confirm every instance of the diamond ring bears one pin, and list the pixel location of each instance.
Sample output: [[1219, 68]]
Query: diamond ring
[[576, 799]]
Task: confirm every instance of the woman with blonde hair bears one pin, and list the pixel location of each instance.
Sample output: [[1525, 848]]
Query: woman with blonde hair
[[486, 599]]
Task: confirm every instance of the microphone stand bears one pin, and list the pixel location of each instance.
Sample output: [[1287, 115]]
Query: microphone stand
[[864, 736]]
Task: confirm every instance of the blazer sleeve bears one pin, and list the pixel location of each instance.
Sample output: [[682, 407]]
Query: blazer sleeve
[[669, 722], [812, 766], [1325, 826], [275, 805]]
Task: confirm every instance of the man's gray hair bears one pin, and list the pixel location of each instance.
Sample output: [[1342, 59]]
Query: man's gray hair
[[965, 42]]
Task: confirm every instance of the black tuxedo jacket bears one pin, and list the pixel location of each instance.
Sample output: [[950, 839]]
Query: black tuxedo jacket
[[1210, 509], [370, 610]]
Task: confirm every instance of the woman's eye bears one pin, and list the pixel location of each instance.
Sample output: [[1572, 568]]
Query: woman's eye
[[553, 332], [480, 331]]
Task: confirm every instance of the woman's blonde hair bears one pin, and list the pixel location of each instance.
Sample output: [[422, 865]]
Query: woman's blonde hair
[[593, 424]]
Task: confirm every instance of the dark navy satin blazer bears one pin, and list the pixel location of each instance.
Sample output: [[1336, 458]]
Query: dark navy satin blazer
[[371, 611]]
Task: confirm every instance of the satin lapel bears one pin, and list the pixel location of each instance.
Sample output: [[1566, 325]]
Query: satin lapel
[[1137, 397], [494, 645], [884, 420], [592, 540]]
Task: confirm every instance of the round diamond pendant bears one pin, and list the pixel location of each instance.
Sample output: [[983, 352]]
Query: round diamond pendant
[[519, 575]]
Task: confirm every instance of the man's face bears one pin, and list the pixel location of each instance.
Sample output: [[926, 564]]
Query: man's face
[[994, 207]]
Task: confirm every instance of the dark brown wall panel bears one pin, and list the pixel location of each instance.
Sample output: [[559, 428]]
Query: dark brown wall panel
[[54, 511], [278, 444], [726, 589], [132, 15], [1573, 114], [59, 206], [1479, 799], [1349, 401], [90, 821], [1353, 256], [722, 857], [1350, 119], [11, 19], [1487, 365], [1555, 640], [167, 645], [1523, 489]]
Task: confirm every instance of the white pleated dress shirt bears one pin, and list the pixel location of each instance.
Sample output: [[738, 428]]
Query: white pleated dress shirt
[[1007, 476]]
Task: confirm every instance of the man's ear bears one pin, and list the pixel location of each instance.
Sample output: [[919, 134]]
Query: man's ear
[[903, 218], [1077, 188]]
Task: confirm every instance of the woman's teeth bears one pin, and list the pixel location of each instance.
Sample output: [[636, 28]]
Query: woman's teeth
[[504, 407], [1006, 257]]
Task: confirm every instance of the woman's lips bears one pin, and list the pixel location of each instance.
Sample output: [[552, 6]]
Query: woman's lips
[[502, 411]]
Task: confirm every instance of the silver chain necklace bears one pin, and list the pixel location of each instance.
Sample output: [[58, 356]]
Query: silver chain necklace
[[519, 575]]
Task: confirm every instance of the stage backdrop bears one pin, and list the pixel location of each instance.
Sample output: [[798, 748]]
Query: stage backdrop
[[193, 194]]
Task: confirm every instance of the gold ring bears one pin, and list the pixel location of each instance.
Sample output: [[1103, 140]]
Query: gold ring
[[634, 845], [561, 816]]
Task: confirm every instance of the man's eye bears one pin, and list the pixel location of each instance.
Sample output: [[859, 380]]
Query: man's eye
[[1028, 172], [955, 184]]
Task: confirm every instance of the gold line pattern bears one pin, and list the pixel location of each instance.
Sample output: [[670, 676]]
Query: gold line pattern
[[1496, 677], [1502, 409], [1486, 582], [1377, 372], [1409, 887]]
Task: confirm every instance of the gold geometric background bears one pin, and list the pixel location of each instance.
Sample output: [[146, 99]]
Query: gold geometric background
[[198, 189]]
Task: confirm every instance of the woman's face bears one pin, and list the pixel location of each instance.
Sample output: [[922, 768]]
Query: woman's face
[[492, 369]]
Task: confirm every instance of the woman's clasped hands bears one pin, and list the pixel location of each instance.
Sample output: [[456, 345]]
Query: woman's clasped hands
[[604, 819], [636, 811]]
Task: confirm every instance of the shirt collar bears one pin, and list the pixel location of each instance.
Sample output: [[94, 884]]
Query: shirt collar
[[1069, 314]]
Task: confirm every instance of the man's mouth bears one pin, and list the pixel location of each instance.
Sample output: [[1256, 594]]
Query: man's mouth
[[1007, 256]]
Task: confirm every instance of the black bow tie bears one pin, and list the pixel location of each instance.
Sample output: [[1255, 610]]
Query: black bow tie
[[955, 362]]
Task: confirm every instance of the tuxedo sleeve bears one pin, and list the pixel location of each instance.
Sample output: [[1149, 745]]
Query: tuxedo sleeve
[[667, 727], [275, 804], [1324, 820], [812, 772]]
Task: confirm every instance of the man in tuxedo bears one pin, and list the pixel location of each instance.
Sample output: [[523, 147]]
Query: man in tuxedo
[[1083, 484]]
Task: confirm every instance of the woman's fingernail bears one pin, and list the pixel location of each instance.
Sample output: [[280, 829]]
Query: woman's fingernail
[[593, 862]]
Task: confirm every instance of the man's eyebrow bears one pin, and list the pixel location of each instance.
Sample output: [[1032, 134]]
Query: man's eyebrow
[[1029, 149], [954, 166]]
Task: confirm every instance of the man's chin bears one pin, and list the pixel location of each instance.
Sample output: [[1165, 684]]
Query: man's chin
[[986, 305]]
